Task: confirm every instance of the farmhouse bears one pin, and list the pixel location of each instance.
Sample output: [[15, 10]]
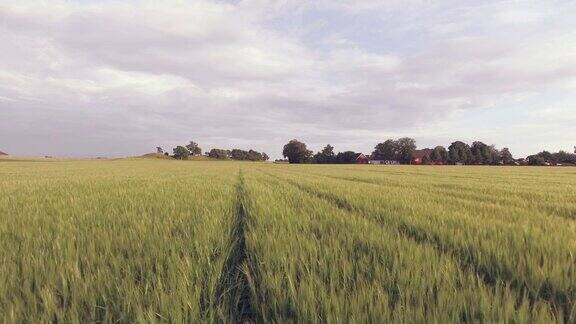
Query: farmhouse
[[421, 156], [362, 159]]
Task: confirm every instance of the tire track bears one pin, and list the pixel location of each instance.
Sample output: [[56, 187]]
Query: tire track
[[561, 303], [234, 291], [462, 195]]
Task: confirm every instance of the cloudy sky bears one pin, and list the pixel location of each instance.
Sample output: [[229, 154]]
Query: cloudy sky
[[116, 78]]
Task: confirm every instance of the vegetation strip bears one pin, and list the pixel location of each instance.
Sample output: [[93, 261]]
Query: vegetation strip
[[469, 196], [402, 229], [561, 302], [152, 240], [234, 291], [460, 194]]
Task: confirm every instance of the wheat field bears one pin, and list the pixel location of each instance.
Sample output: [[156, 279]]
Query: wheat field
[[141, 240]]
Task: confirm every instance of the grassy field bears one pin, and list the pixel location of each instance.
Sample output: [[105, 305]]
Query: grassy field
[[152, 240]]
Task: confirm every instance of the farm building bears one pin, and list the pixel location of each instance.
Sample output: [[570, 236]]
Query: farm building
[[362, 159], [421, 156], [2, 153]]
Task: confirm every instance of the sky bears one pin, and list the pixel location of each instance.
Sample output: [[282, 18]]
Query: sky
[[118, 78]]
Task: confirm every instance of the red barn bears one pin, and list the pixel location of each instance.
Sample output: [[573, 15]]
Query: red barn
[[362, 159], [421, 156]]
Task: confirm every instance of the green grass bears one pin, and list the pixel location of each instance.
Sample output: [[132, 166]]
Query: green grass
[[107, 241], [151, 240]]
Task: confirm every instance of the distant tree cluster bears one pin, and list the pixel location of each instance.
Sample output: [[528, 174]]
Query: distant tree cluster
[[250, 155], [193, 149], [439, 155], [547, 158], [184, 152], [346, 157], [181, 153], [297, 152], [478, 153], [326, 155], [392, 151], [403, 151], [237, 154], [219, 154]]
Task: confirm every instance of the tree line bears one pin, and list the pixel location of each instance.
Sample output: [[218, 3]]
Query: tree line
[[237, 154], [547, 158], [193, 149], [403, 150]]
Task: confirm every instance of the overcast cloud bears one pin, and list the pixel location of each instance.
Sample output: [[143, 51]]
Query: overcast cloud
[[117, 78]]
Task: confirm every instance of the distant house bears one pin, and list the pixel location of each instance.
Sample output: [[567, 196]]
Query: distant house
[[3, 154], [421, 156], [362, 159]]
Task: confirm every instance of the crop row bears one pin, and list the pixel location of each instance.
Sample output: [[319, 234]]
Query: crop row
[[533, 256], [316, 262], [148, 241]]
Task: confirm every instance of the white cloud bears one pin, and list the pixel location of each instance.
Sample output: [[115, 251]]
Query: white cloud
[[128, 76]]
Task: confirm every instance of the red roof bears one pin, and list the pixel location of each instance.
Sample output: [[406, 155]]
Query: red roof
[[419, 154]]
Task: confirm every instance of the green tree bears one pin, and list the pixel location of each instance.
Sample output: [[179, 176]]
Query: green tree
[[536, 160], [406, 147], [181, 153], [194, 149], [565, 157], [388, 150], [237, 154], [506, 157], [346, 157], [480, 153], [494, 155], [219, 154], [265, 157], [326, 155], [254, 156], [241, 155], [439, 155], [547, 157], [401, 150], [296, 152], [459, 152]]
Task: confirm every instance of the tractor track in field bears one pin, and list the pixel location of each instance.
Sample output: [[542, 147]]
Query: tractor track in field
[[234, 293], [560, 302], [461, 195]]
